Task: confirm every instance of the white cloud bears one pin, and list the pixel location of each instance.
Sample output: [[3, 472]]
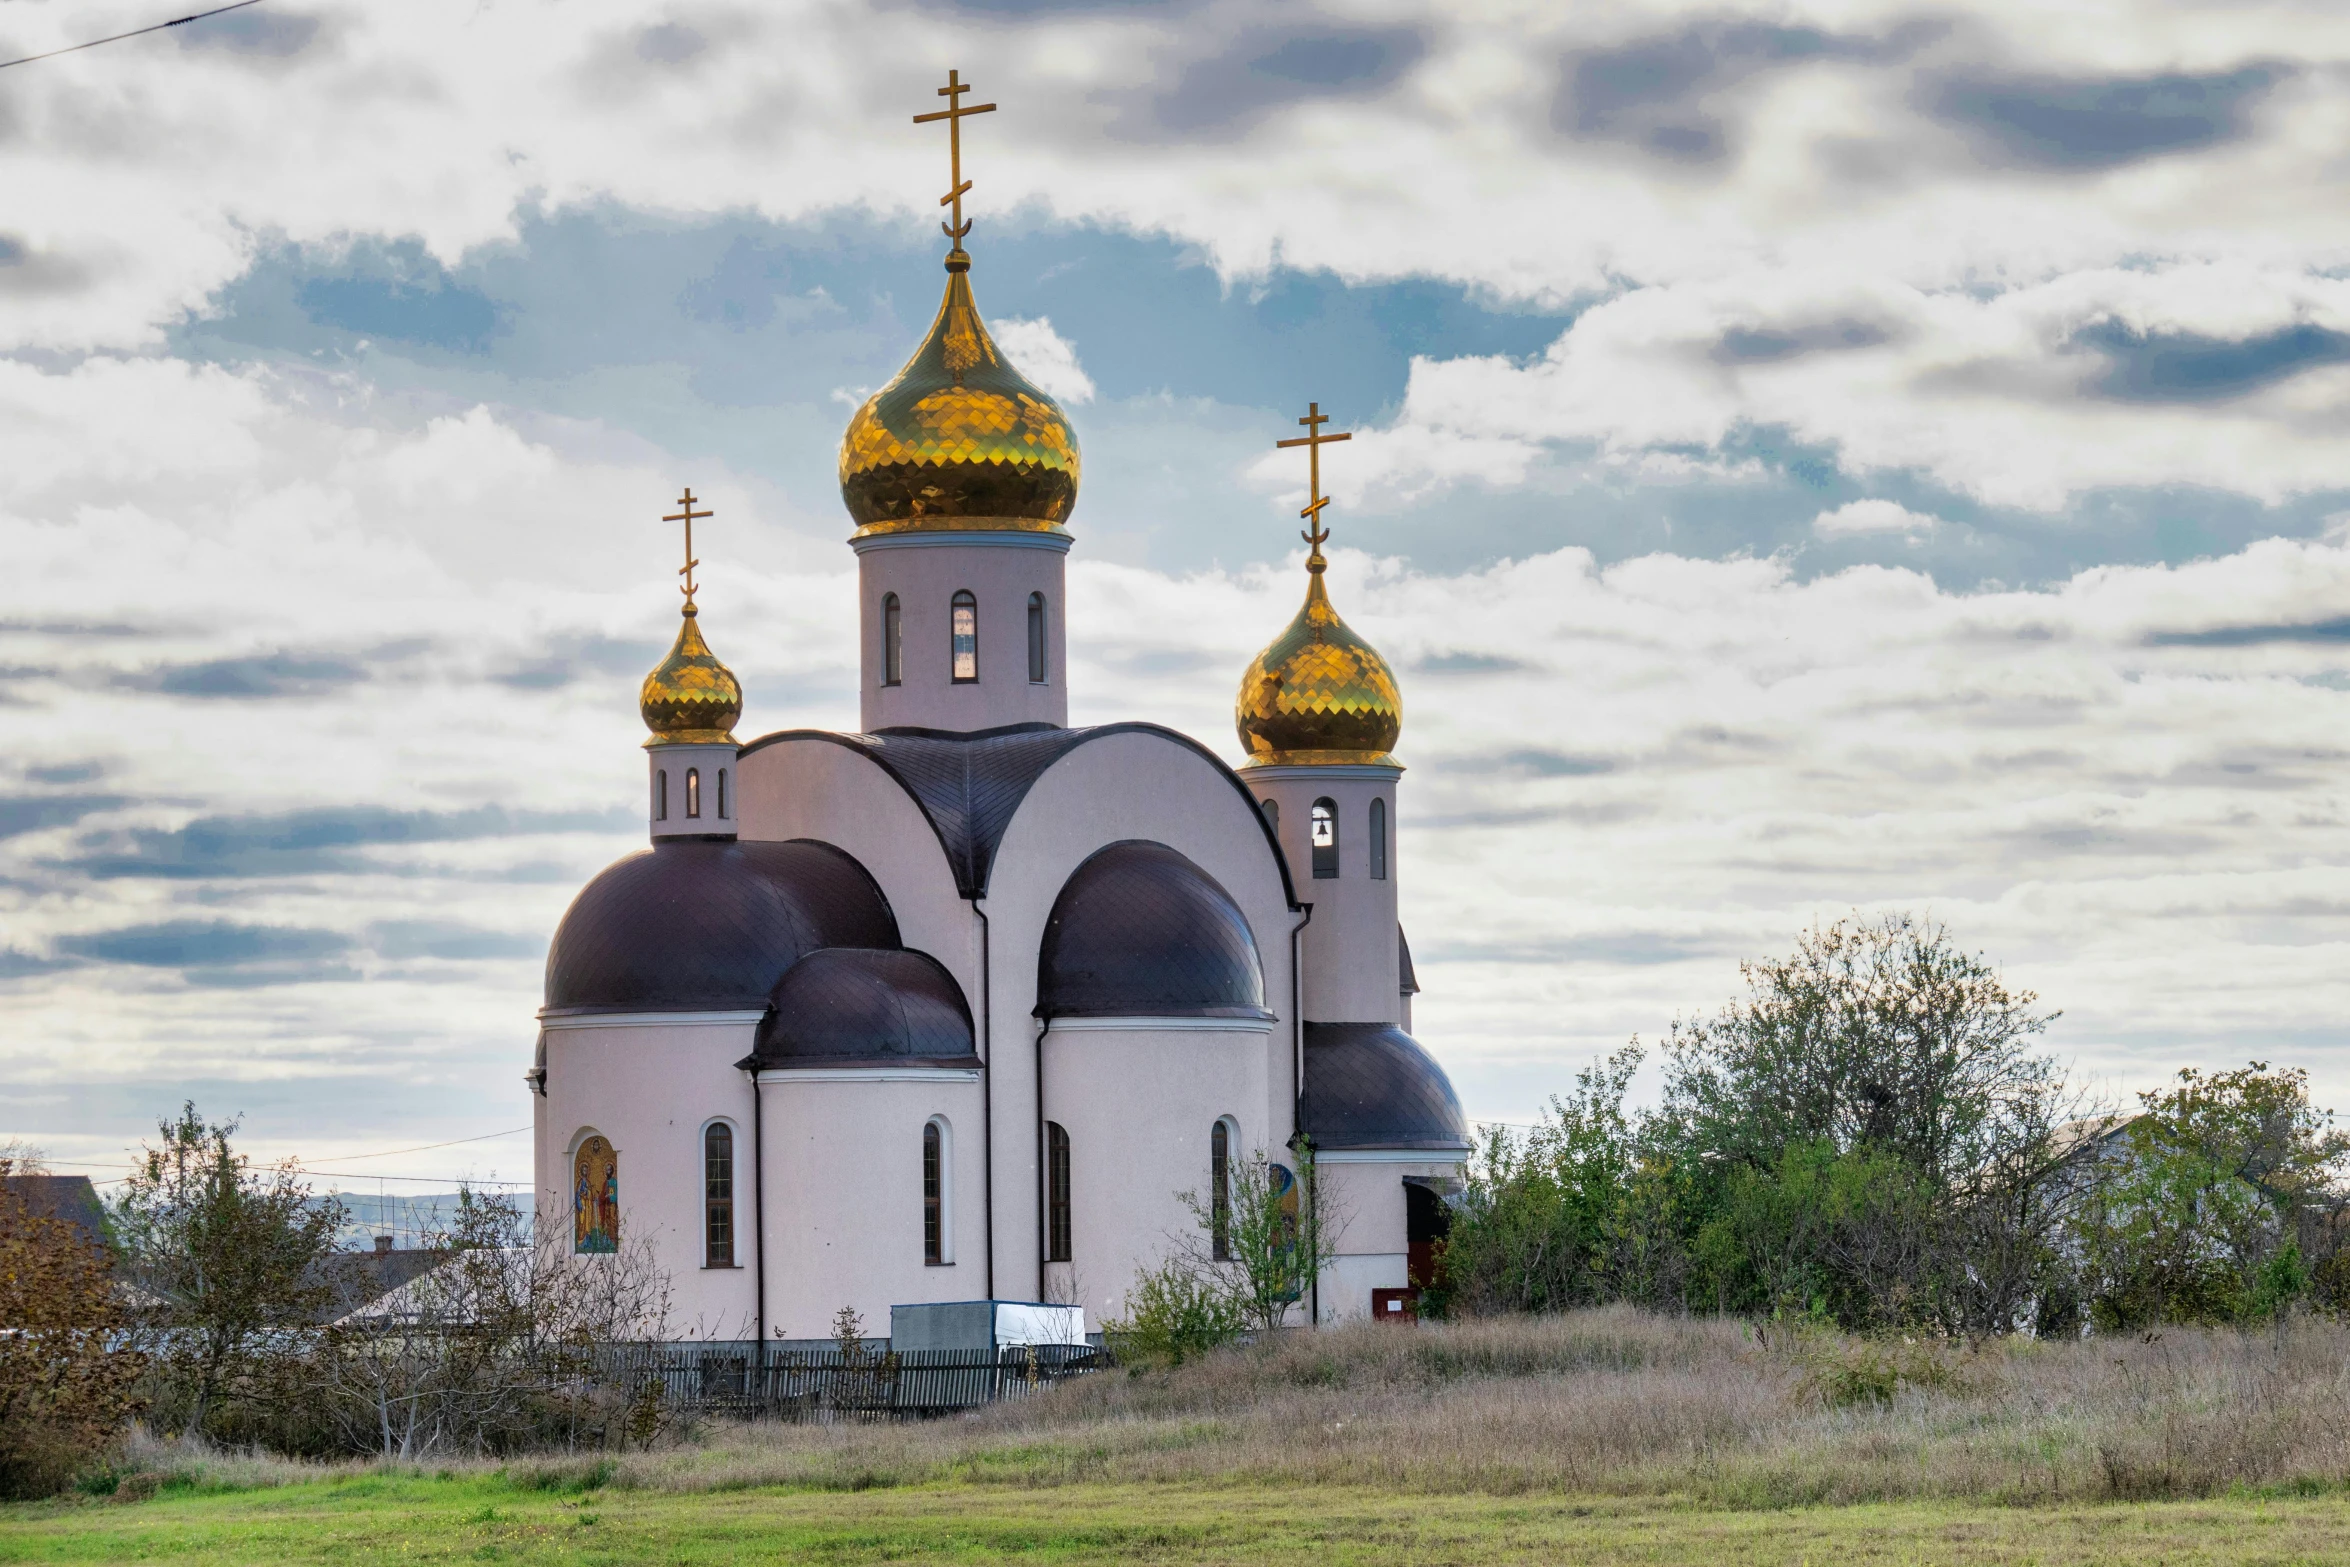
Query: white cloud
[[2224, 376], [1045, 357], [2130, 788], [1871, 516]]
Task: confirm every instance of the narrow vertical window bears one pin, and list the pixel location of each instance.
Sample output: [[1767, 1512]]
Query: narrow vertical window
[[1272, 809], [934, 1175], [893, 657], [718, 1197], [1378, 840], [1220, 1191], [1036, 659], [661, 795], [693, 792], [595, 1198], [1056, 1192], [966, 637], [1325, 839], [722, 795]]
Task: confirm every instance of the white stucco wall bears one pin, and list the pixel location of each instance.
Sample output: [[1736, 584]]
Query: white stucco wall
[[1139, 1105], [650, 1087], [925, 570], [1130, 785], [1352, 971], [806, 788], [713, 763], [1364, 1205], [843, 1196]]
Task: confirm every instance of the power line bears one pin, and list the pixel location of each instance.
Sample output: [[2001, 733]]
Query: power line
[[177, 21], [354, 1158]]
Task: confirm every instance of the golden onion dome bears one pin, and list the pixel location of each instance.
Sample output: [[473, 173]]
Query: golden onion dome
[[1319, 694], [691, 699], [960, 440]]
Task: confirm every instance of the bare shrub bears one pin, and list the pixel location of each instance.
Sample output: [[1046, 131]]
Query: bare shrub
[[502, 1344]]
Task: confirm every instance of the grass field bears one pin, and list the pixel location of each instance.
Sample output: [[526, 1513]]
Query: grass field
[[1595, 1437], [372, 1519]]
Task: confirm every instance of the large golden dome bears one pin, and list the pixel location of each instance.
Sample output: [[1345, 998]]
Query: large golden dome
[[1319, 694], [960, 439], [691, 698]]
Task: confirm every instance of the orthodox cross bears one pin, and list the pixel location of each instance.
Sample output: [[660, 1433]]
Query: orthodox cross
[[953, 114], [686, 514], [1313, 441]]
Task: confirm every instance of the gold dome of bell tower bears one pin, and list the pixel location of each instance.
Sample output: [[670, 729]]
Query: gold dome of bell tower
[[959, 440], [690, 698], [1318, 694]]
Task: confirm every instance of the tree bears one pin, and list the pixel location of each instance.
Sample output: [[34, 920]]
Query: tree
[[1879, 1032], [67, 1370], [2200, 1210], [229, 1256], [1550, 1218]]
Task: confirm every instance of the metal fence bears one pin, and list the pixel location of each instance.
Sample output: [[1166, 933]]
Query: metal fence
[[751, 1380]]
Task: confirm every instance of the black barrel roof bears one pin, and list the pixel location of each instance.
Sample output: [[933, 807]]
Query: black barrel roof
[[1371, 1085], [1140, 931], [970, 785], [696, 924], [857, 1005]]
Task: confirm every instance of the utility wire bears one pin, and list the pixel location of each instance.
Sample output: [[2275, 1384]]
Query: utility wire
[[177, 21]]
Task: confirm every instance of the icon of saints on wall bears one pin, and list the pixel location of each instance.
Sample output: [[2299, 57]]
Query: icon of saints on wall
[[595, 1198]]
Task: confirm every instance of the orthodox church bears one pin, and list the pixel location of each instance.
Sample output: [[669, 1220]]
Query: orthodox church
[[962, 1004]]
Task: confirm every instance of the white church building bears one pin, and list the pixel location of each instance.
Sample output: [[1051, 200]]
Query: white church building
[[956, 1005]]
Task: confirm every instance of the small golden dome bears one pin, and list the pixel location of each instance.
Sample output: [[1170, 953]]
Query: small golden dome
[[960, 439], [1319, 694], [691, 699]]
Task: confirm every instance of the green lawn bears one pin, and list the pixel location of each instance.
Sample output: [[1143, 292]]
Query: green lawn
[[369, 1519]]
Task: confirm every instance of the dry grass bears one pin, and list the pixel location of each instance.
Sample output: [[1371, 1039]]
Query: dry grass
[[1615, 1402]]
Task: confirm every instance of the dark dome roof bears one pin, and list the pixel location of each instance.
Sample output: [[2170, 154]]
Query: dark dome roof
[[851, 1004], [1140, 931], [697, 924], [1371, 1085]]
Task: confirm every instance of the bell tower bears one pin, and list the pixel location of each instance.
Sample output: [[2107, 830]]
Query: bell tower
[[959, 475], [690, 702], [1318, 714]]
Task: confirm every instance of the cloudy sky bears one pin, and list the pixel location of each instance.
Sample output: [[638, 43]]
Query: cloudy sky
[[1813, 457]]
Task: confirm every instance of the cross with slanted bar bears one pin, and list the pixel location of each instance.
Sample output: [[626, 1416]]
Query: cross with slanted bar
[[1313, 441], [953, 114], [686, 514]]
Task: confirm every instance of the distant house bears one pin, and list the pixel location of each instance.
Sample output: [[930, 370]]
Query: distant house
[[68, 1197], [357, 1281]]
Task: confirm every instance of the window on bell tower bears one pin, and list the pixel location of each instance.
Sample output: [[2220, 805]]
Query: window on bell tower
[[1325, 839], [966, 637]]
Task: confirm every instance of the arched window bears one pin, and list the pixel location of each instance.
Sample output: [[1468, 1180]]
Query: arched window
[[722, 801], [1325, 839], [936, 1215], [1036, 661], [595, 1198], [893, 655], [966, 637], [1378, 840], [1056, 1192], [718, 1196], [1220, 1191], [1272, 810], [661, 795], [693, 793]]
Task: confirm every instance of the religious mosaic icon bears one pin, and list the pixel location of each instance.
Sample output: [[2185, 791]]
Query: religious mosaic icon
[[595, 1198]]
